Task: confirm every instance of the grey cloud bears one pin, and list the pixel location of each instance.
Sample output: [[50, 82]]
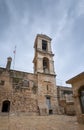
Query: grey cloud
[[4, 18], [62, 20], [78, 29]]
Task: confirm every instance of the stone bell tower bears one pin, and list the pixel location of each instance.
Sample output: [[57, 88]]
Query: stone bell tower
[[43, 60], [44, 69]]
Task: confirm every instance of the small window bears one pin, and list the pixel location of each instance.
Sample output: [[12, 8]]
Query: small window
[[44, 45], [48, 98], [2, 82], [47, 88], [25, 83]]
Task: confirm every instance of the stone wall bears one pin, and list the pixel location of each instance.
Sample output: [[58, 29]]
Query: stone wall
[[78, 87], [19, 89], [27, 92], [47, 88], [65, 100]]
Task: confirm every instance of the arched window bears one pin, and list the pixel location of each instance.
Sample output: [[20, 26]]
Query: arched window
[[6, 106], [45, 65], [81, 96]]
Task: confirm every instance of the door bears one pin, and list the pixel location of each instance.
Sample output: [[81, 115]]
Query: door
[[6, 106], [48, 102]]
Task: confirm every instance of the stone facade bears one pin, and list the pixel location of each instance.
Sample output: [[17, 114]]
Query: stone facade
[[65, 100], [17, 94], [36, 93], [33, 93], [78, 94]]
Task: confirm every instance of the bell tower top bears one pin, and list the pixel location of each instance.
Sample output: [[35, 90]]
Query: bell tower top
[[43, 59], [43, 36], [42, 43]]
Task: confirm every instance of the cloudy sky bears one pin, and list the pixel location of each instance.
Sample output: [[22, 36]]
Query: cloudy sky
[[62, 20]]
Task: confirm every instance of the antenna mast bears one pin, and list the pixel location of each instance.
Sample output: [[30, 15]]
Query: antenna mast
[[14, 57]]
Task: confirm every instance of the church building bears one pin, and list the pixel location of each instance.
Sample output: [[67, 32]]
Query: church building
[[32, 93]]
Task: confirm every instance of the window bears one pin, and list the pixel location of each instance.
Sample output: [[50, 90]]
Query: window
[[2, 82], [47, 88], [44, 45], [25, 83]]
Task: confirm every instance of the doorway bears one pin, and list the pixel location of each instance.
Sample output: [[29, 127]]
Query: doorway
[[81, 97], [48, 102], [6, 106], [50, 112], [82, 100]]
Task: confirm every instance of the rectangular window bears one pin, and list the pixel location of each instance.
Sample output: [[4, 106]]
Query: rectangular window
[[47, 88], [44, 45], [2, 82], [25, 83]]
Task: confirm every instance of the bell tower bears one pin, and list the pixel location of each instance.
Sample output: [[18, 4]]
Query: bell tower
[[44, 71], [43, 60]]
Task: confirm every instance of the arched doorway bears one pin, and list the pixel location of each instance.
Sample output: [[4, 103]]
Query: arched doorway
[[81, 96], [6, 106]]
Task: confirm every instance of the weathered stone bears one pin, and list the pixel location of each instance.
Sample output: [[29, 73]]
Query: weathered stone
[[78, 92], [28, 92]]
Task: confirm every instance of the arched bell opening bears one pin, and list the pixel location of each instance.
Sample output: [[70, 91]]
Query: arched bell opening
[[45, 65]]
